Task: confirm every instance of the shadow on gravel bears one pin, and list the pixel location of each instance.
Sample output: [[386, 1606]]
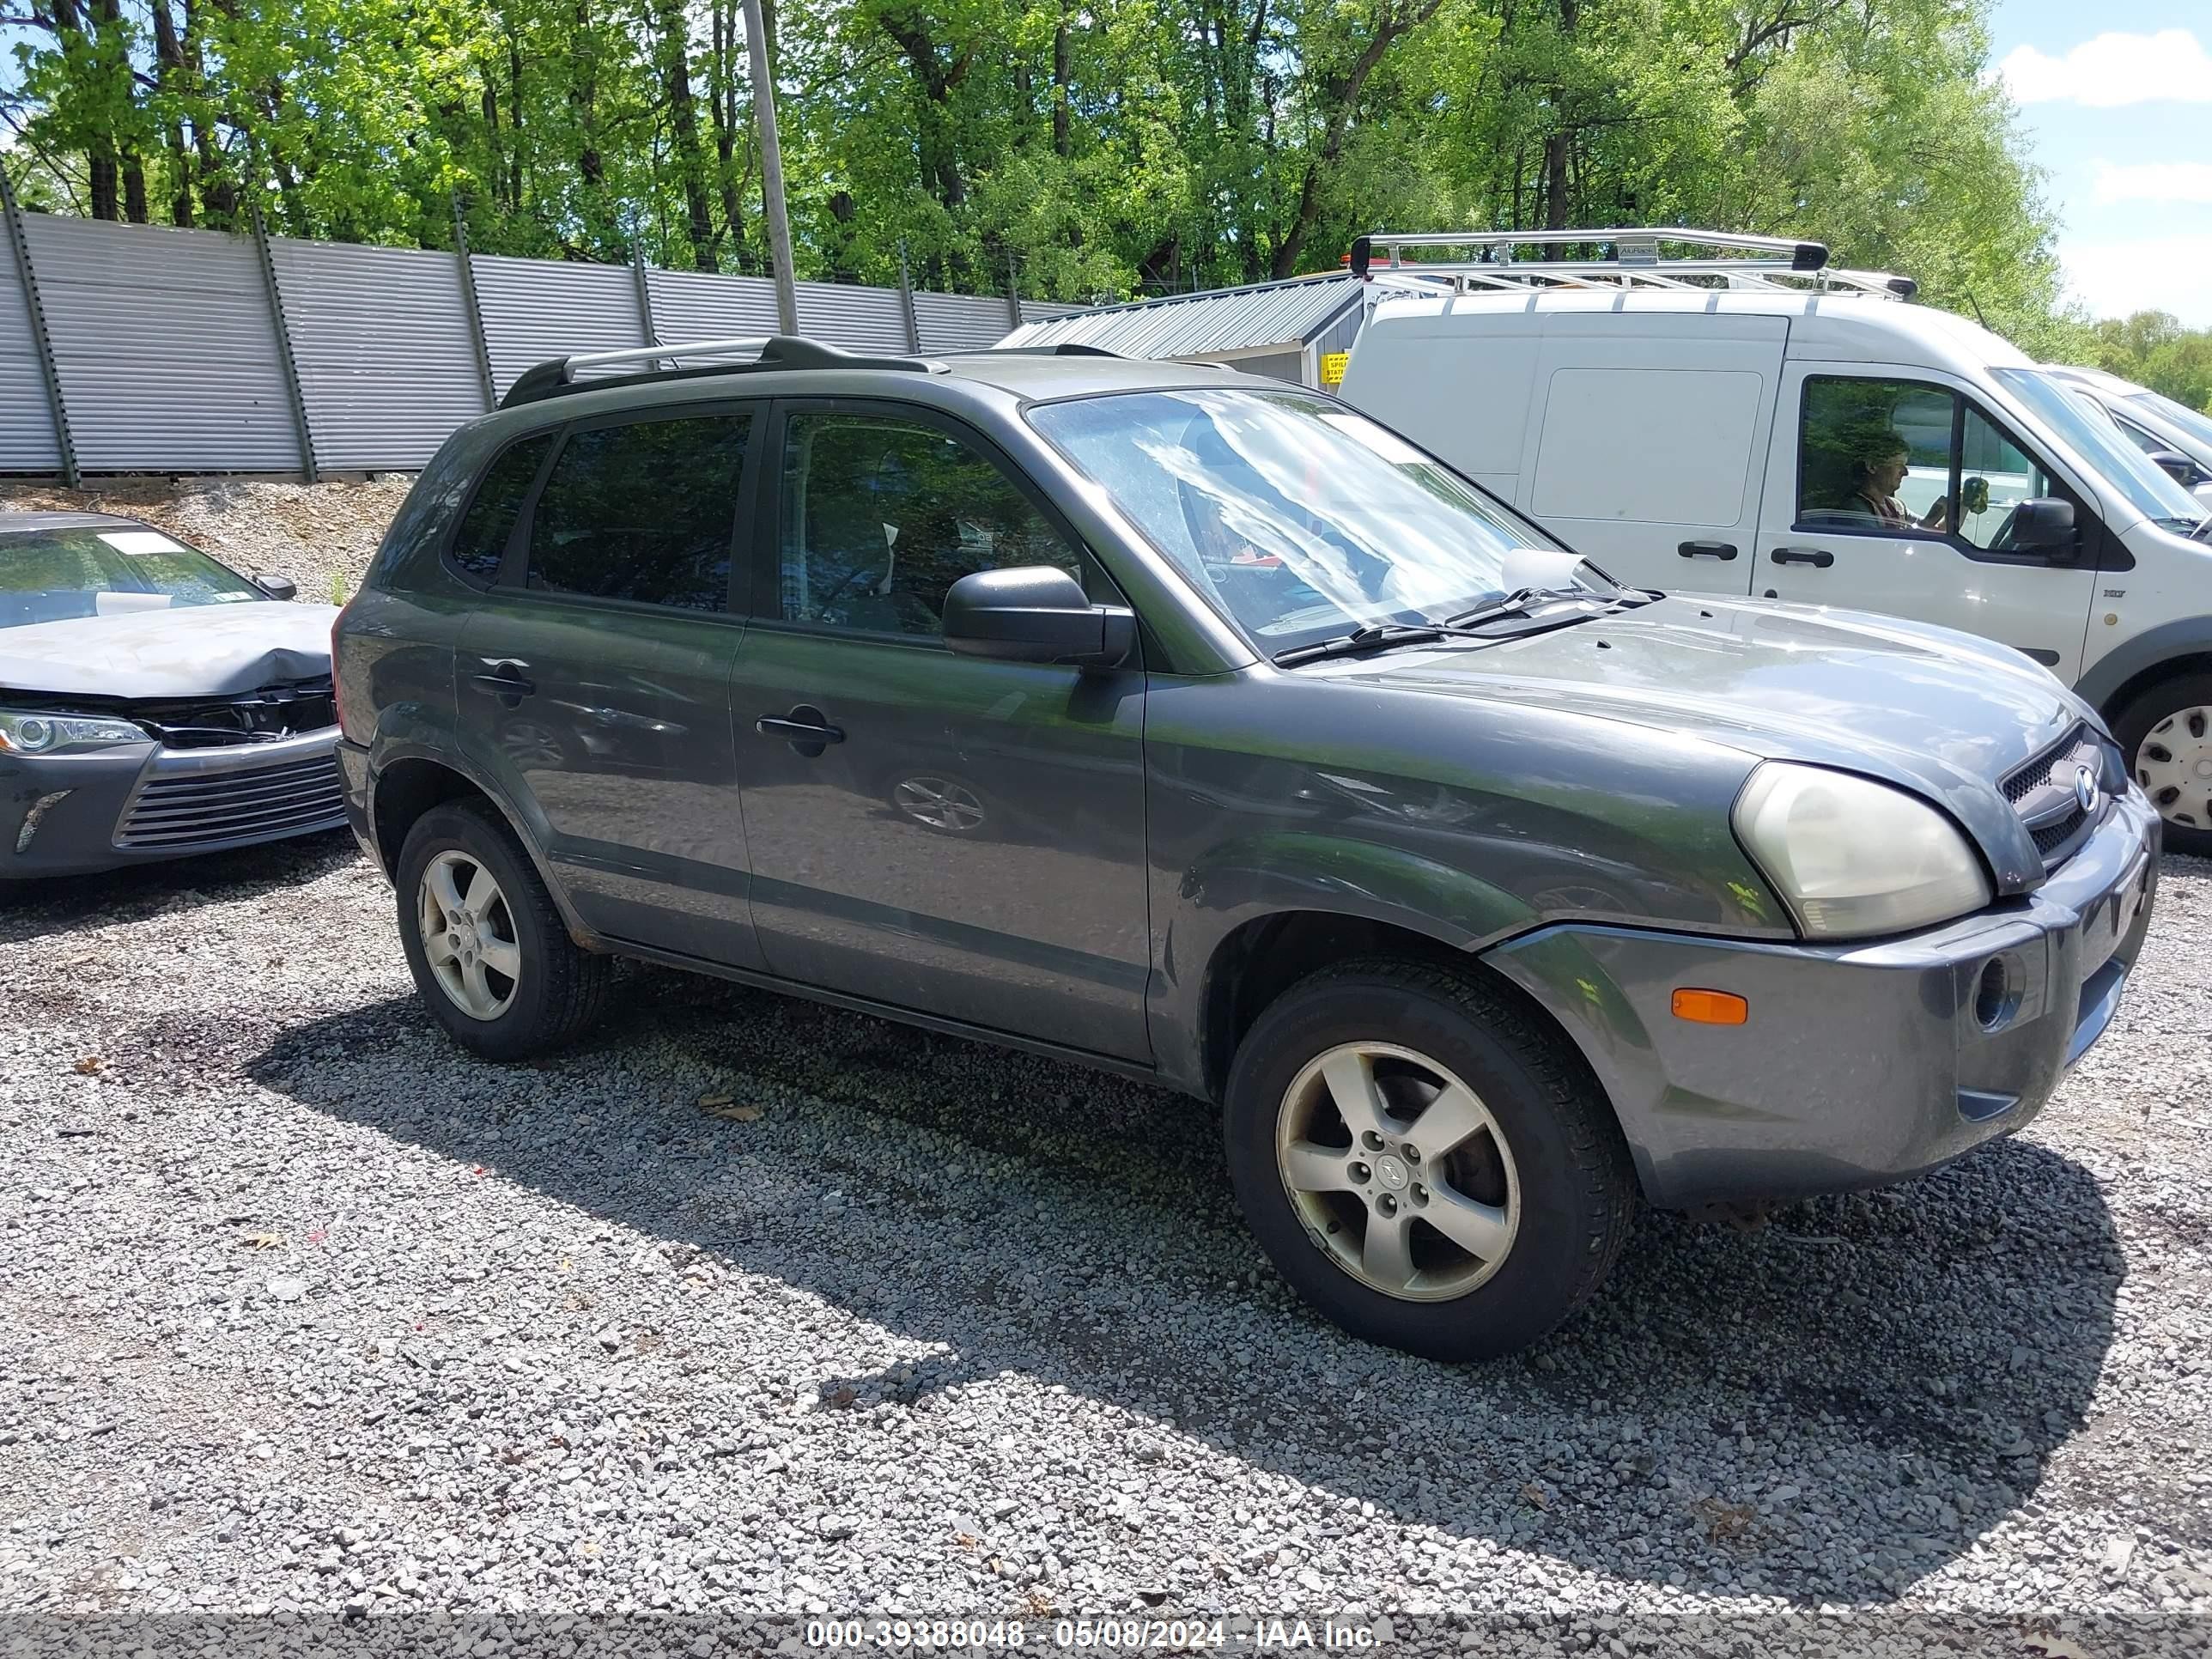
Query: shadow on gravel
[[60, 904], [1828, 1409]]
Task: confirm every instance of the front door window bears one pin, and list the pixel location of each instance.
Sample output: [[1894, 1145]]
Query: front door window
[[1875, 457], [880, 517]]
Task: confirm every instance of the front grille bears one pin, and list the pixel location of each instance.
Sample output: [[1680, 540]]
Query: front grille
[[193, 808], [259, 716], [2042, 793]]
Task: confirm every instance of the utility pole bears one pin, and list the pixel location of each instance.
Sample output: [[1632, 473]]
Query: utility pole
[[779, 222]]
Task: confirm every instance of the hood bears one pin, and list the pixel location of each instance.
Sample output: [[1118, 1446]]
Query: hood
[[185, 651], [1941, 713]]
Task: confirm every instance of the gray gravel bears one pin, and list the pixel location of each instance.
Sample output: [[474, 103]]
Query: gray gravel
[[302, 1309]]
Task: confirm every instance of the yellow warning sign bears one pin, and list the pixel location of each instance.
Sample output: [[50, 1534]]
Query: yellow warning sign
[[1332, 367]]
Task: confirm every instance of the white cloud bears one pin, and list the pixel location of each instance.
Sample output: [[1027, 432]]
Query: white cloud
[[2149, 273], [2154, 182], [2113, 70]]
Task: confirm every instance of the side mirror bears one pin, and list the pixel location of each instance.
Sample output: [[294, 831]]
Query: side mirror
[[277, 587], [2176, 466], [1035, 614], [2045, 525]]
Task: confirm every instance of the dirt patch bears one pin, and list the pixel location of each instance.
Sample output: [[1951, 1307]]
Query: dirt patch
[[320, 535]]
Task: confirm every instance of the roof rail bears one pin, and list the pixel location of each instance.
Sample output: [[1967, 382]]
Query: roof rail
[[559, 375], [1485, 259]]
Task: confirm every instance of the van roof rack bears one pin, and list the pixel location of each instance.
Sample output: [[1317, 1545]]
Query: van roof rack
[[1480, 260], [559, 375]]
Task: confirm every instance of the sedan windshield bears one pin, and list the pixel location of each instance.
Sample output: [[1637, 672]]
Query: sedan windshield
[[1299, 518], [2100, 442], [57, 575]]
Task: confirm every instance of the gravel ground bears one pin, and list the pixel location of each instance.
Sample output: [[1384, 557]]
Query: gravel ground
[[752, 1309], [320, 535]]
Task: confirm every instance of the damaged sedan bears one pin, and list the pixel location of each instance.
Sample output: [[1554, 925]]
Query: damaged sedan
[[154, 702]]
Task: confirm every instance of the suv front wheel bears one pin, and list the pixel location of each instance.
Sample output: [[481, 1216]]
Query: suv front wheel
[[1426, 1167], [489, 954]]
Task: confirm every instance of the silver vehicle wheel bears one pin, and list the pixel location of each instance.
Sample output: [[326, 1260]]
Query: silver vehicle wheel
[[940, 803], [2173, 763], [468, 935], [1398, 1170]]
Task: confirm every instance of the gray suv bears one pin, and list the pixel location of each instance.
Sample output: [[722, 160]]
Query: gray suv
[[1196, 726]]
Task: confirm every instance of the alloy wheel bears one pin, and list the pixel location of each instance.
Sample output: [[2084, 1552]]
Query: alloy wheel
[[2173, 763], [468, 935], [1398, 1170]]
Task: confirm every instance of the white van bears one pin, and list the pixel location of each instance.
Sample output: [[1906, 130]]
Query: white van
[[1760, 423], [2174, 435]]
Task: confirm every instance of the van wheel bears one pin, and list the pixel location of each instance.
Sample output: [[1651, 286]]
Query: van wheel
[[2166, 735], [1426, 1167], [489, 954]]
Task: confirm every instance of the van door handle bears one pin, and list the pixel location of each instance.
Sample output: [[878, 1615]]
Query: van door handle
[[1707, 549], [1819, 557]]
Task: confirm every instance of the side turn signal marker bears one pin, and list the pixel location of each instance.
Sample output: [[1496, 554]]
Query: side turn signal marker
[[1711, 1007]]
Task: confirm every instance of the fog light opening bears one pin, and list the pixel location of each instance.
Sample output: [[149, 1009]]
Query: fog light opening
[[1997, 992], [39, 808]]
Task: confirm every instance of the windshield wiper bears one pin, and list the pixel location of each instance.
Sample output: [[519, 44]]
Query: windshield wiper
[[1520, 602], [1379, 636]]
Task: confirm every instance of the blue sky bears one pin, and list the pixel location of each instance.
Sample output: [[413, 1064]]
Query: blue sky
[[2116, 102]]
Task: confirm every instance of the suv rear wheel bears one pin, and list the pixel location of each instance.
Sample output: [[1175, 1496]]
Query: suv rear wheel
[[487, 947], [1425, 1166], [2166, 735]]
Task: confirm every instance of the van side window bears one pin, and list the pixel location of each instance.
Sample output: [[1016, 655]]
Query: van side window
[[1875, 456], [1996, 477], [646, 511], [480, 542]]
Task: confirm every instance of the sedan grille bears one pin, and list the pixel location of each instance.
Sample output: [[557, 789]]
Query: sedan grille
[[193, 808], [2042, 792]]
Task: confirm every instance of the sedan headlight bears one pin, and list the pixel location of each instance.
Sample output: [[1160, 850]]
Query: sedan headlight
[[26, 732], [1852, 857]]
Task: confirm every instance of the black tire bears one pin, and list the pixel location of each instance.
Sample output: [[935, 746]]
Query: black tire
[[560, 989], [2136, 720], [1576, 1186]]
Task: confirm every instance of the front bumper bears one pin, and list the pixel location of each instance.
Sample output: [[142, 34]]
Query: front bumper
[[1862, 1064], [70, 814]]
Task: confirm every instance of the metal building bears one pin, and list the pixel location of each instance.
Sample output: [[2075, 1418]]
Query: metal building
[[1291, 330]]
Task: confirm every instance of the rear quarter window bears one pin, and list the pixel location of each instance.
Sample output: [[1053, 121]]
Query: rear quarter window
[[480, 539]]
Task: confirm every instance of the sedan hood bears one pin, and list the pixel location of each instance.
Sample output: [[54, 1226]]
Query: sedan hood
[[1940, 713], [187, 650]]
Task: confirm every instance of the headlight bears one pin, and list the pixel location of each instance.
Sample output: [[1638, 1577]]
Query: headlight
[[1854, 858], [24, 733]]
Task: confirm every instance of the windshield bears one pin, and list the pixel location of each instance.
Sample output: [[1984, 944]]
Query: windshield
[[2092, 435], [57, 575], [2195, 422], [1299, 518]]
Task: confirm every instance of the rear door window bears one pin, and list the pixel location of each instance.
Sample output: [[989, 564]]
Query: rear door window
[[645, 512]]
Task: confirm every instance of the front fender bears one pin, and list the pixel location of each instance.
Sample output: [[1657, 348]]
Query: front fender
[[1280, 872]]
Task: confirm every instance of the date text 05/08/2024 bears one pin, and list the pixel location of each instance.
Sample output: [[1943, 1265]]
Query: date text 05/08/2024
[[1128, 1635]]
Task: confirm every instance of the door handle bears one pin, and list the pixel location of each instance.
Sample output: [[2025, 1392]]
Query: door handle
[[504, 677], [806, 729], [1707, 549], [1819, 557]]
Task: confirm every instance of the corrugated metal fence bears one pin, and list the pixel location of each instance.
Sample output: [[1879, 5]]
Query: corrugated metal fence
[[143, 349]]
